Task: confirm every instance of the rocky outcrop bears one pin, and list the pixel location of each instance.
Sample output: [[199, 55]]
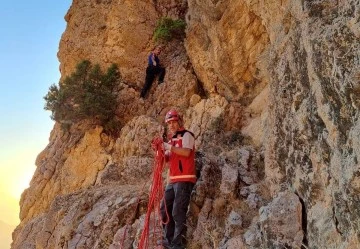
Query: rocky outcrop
[[312, 147], [224, 41], [279, 224], [83, 219], [269, 89]]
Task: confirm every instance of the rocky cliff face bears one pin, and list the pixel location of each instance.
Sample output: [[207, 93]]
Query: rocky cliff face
[[270, 90]]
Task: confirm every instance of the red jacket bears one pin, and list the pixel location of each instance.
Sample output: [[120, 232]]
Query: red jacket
[[182, 169]]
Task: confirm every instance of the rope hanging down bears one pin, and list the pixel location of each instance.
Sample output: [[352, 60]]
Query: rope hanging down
[[155, 196]]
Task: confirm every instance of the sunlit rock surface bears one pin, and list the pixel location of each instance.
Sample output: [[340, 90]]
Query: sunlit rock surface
[[270, 90]]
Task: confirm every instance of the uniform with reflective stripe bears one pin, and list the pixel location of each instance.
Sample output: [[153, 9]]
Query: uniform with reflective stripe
[[182, 169]]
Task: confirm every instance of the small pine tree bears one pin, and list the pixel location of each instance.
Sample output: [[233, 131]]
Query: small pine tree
[[88, 93], [167, 29]]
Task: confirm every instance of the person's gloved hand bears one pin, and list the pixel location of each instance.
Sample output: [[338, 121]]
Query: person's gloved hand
[[167, 146]]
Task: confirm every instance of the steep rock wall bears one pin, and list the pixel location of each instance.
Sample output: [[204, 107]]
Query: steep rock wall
[[270, 90], [224, 42], [312, 147]]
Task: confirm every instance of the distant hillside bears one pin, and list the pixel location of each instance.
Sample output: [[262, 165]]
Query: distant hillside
[[5, 235]]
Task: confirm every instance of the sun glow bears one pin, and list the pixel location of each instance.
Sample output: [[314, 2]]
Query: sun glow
[[15, 176], [21, 182]]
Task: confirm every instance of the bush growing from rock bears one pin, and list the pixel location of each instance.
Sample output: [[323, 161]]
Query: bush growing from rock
[[87, 94], [167, 29]]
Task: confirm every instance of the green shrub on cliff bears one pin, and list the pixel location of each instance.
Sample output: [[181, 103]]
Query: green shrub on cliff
[[166, 29], [88, 93]]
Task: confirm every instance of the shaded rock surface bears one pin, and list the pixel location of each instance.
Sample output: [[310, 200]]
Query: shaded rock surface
[[279, 224], [270, 90]]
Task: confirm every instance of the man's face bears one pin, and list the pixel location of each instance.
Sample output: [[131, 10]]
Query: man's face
[[173, 126], [157, 51]]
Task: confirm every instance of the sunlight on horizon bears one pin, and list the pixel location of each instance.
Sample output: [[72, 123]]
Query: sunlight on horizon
[[9, 209], [15, 177], [22, 180], [31, 31]]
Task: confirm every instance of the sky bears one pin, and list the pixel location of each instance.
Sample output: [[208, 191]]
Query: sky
[[30, 34]]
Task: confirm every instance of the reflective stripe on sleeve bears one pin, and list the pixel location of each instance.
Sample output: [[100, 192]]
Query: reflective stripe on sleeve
[[182, 176]]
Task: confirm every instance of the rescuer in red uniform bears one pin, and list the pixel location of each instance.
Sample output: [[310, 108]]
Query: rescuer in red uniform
[[180, 153]]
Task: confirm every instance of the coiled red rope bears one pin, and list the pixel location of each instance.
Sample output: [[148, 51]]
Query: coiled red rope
[[155, 196]]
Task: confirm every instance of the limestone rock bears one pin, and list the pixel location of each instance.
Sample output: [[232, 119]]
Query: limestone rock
[[202, 222], [70, 162], [135, 138], [204, 116], [270, 90], [281, 221], [105, 31], [86, 219], [229, 179], [195, 99], [233, 223], [253, 236], [224, 40], [234, 243], [256, 123]]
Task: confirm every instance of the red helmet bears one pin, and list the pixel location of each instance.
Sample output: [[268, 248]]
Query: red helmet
[[172, 115]]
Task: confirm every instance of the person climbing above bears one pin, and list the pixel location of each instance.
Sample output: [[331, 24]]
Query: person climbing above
[[180, 154], [154, 68]]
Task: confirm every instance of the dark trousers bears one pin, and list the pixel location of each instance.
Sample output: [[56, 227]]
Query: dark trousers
[[151, 73], [173, 210]]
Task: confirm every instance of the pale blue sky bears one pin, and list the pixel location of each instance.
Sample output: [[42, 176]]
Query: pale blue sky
[[30, 33]]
